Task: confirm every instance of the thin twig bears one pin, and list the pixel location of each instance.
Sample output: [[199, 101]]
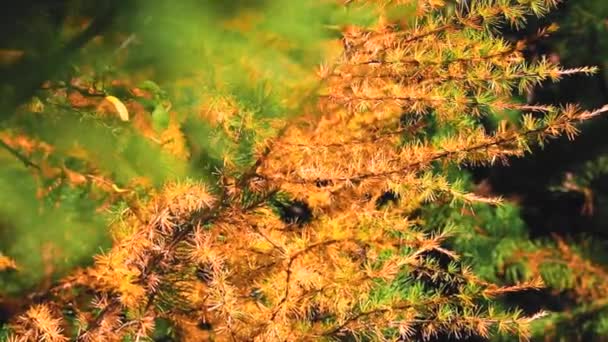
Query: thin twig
[[26, 161]]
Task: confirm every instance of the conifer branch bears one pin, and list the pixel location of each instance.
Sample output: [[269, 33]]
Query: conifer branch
[[553, 129], [353, 176], [26, 161]]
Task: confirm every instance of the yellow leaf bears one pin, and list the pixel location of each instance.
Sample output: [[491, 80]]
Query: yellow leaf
[[120, 107], [7, 263]]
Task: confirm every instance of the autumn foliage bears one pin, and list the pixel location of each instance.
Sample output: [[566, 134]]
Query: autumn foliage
[[308, 227]]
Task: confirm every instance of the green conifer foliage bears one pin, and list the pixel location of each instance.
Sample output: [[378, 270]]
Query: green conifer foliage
[[561, 192]]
